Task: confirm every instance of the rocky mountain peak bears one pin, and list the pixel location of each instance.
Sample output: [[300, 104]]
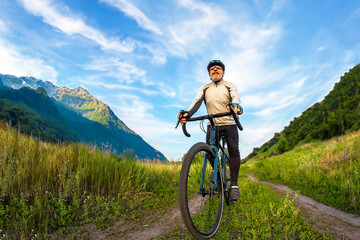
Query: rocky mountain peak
[[79, 91], [82, 92]]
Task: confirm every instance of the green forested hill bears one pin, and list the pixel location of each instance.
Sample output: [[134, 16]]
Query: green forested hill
[[111, 138], [34, 113], [337, 114], [17, 117]]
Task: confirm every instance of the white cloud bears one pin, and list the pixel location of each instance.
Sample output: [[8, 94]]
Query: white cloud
[[248, 70], [70, 25], [133, 12], [136, 114], [166, 90], [246, 58], [128, 75], [272, 112], [190, 32], [276, 6], [272, 101], [247, 36], [13, 62], [96, 80], [120, 70], [158, 53], [355, 14], [132, 108], [297, 84], [250, 46], [256, 135], [321, 48], [3, 27]]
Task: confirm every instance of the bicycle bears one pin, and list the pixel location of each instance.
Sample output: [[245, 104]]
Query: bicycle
[[201, 192]]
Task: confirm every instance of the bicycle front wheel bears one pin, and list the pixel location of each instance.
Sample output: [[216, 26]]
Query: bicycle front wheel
[[201, 206]]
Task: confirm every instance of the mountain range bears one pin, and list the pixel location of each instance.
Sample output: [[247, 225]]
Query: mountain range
[[58, 114]]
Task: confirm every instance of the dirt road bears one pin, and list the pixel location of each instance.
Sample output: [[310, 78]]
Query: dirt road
[[325, 218]]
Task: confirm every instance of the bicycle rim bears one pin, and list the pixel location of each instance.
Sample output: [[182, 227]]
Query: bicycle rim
[[201, 209]]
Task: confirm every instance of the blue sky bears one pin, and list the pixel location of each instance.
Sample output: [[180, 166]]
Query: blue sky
[[147, 59]]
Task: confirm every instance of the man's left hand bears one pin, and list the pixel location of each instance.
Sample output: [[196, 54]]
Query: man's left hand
[[236, 110]]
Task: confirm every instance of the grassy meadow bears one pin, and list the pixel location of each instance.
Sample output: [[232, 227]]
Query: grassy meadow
[[46, 187], [328, 171]]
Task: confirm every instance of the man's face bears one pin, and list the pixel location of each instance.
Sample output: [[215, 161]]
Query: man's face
[[216, 73]]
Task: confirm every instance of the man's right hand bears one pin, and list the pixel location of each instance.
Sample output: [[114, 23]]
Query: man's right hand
[[183, 119]]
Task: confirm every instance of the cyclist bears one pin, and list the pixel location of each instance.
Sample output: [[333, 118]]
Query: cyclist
[[216, 95]]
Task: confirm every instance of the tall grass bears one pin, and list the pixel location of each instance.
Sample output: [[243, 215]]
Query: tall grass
[[46, 186], [329, 171]]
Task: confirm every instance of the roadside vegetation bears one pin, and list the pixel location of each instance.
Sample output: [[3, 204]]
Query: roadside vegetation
[[328, 171], [46, 187]]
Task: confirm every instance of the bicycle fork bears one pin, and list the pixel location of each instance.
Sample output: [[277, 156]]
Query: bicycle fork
[[215, 165]]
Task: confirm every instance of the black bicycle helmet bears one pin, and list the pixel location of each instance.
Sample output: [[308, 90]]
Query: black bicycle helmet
[[215, 62]]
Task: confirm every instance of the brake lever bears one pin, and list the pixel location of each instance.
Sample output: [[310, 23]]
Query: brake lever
[[231, 106], [177, 124], [182, 112]]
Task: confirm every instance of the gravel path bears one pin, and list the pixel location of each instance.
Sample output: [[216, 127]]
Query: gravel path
[[325, 218]]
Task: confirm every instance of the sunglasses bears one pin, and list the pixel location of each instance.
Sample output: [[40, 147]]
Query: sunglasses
[[215, 67]]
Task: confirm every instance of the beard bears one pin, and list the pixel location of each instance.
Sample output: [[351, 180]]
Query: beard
[[216, 77]]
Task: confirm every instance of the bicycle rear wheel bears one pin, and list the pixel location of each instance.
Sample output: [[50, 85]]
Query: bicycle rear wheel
[[201, 209]]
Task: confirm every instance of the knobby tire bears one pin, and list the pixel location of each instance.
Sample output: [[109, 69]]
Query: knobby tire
[[201, 210]]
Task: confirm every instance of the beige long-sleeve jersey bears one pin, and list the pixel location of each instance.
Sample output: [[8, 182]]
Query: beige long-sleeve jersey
[[216, 96]]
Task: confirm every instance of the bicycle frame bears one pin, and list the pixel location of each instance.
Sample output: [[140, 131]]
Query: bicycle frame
[[212, 143], [216, 160]]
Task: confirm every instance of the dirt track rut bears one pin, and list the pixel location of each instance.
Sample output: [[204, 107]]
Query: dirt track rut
[[325, 218]]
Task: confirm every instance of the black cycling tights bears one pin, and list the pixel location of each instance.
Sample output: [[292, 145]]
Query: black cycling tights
[[231, 135]]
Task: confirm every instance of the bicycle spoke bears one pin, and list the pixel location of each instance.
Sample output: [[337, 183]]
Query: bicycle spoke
[[203, 206]]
